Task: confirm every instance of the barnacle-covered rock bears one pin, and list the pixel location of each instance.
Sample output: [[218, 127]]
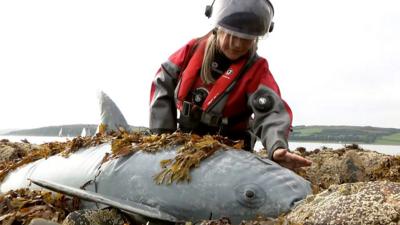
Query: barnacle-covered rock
[[96, 217], [348, 166], [351, 203]]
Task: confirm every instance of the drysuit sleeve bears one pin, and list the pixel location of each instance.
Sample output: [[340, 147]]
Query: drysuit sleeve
[[272, 115], [163, 112]]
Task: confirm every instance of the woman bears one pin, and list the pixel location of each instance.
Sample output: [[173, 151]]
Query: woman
[[220, 85]]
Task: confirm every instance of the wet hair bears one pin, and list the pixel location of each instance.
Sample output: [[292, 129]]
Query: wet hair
[[210, 50]]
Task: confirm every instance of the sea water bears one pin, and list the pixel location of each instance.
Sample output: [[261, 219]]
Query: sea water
[[34, 139], [309, 146]]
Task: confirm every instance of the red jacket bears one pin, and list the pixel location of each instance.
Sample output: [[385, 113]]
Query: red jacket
[[171, 87]]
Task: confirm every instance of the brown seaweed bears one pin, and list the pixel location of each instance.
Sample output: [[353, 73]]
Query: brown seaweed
[[23, 205]]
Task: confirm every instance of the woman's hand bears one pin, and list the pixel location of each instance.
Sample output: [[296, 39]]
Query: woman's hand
[[289, 160]]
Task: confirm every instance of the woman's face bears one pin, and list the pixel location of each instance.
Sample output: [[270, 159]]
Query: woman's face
[[233, 47]]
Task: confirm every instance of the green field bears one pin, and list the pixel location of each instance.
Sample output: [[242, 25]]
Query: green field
[[392, 139], [308, 131], [346, 134]]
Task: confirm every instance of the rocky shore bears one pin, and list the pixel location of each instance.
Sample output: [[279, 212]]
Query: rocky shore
[[350, 185]]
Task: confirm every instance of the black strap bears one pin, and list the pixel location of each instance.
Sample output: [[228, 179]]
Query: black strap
[[248, 64]]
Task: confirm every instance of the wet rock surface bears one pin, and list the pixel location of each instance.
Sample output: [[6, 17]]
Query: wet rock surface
[[351, 186]]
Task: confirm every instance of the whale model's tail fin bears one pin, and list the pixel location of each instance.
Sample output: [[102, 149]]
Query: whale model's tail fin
[[111, 117]]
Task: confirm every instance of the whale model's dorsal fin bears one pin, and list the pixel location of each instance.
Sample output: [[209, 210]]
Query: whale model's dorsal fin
[[111, 117]]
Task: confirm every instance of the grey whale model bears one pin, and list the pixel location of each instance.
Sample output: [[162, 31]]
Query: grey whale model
[[230, 183]]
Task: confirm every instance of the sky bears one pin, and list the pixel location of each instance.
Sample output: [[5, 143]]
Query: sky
[[336, 62]]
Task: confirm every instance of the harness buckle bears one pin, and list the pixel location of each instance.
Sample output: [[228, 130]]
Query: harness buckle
[[186, 108], [212, 119]]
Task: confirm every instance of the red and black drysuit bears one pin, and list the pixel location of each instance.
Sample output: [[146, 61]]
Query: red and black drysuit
[[234, 104]]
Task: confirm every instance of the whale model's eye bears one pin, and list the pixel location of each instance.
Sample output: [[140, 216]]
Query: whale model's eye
[[250, 195]]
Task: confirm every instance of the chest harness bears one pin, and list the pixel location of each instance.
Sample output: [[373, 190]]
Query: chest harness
[[206, 107]]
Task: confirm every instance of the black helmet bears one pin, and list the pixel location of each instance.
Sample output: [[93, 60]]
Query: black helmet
[[244, 18]]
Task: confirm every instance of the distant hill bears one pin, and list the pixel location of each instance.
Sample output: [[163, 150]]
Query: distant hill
[[331, 134], [5, 131], [62, 130], [346, 134]]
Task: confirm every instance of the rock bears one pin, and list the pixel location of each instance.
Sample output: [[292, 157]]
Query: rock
[[352, 203], [40, 221], [95, 217], [10, 151], [348, 166]]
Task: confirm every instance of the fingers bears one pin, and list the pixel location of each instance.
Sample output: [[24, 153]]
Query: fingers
[[299, 160], [279, 154], [290, 160]]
